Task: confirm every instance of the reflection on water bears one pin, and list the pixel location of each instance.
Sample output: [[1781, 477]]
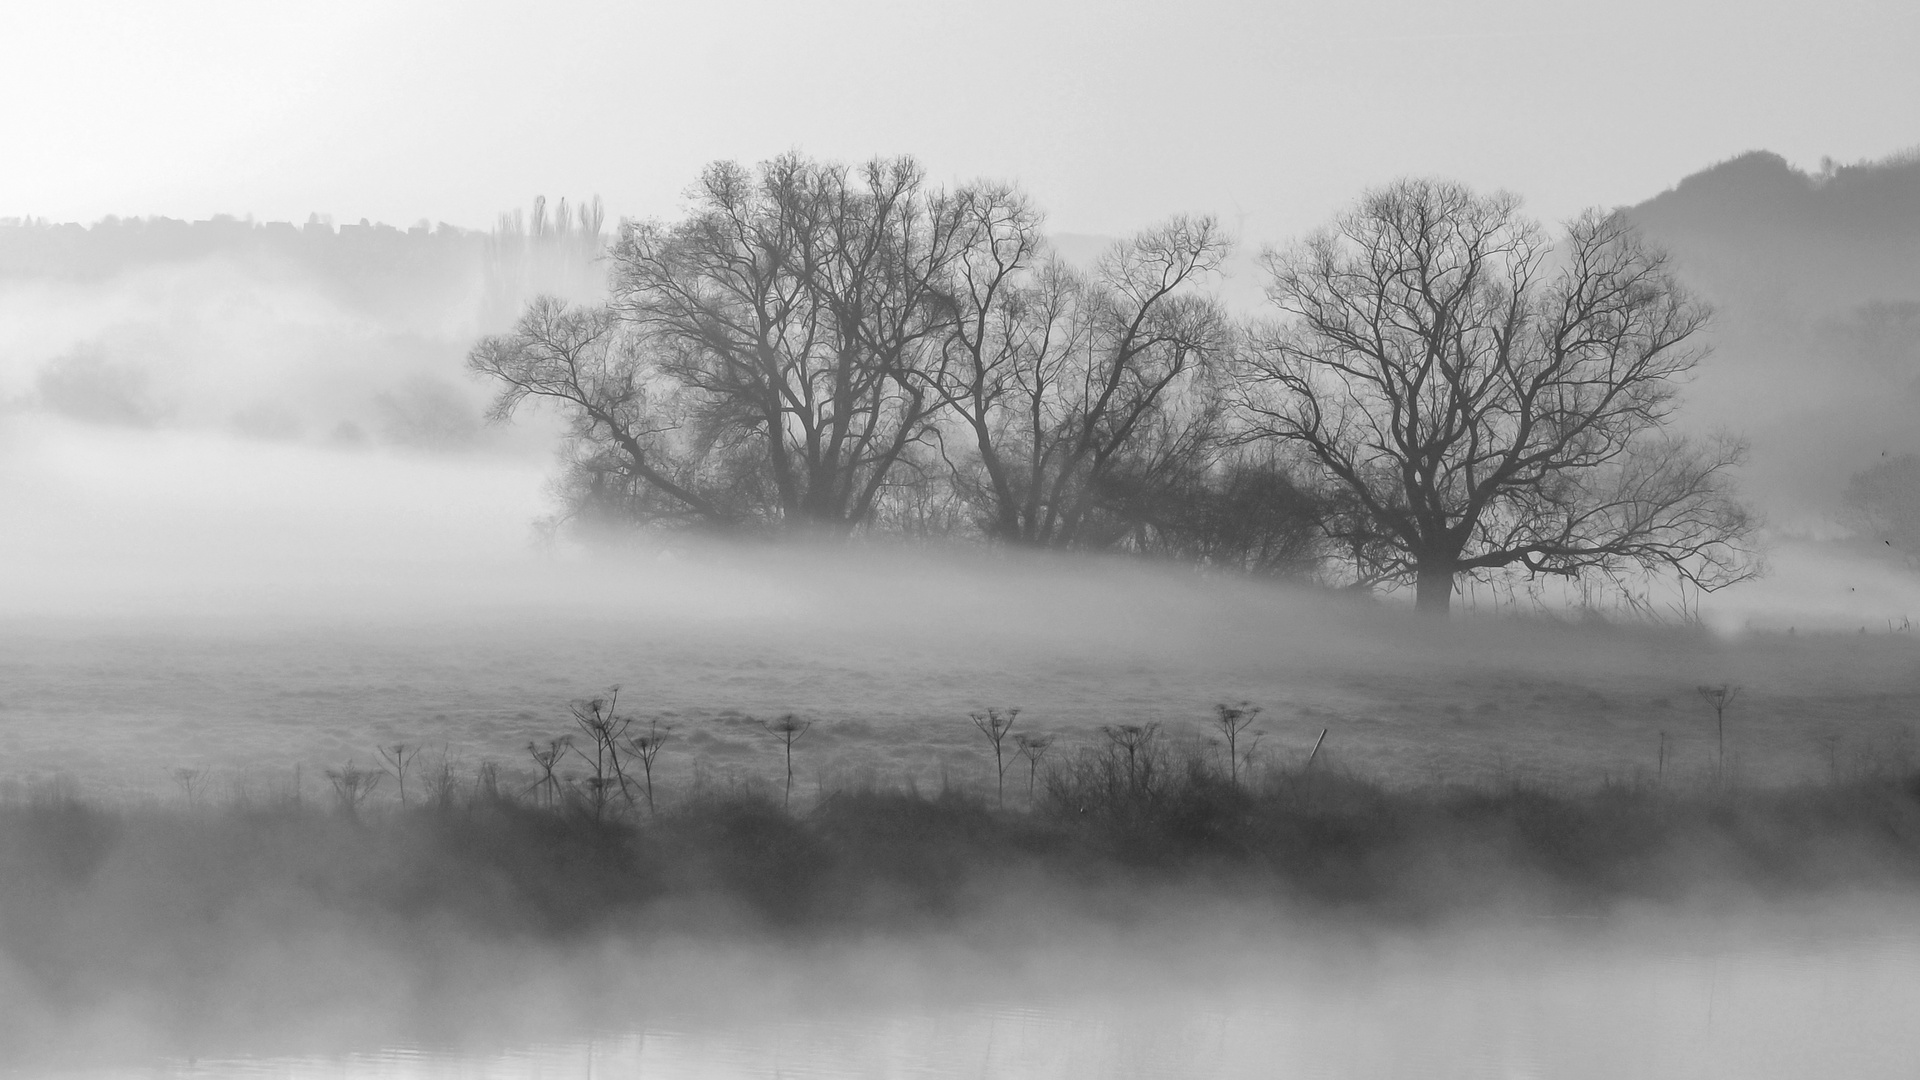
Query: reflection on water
[[1636, 998]]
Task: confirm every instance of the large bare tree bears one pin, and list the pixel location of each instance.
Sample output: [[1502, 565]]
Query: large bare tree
[[1480, 399], [803, 305], [768, 360], [1061, 381]]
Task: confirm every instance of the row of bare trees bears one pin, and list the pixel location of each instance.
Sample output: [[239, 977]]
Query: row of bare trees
[[1439, 391]]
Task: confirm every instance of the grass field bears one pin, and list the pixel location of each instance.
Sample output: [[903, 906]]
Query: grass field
[[888, 652]]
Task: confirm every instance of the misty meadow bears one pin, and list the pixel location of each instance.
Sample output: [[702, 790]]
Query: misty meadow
[[844, 626]]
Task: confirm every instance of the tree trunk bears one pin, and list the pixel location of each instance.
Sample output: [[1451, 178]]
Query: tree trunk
[[1433, 587]]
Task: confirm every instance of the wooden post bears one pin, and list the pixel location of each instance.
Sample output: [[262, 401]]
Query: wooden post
[[1316, 750]]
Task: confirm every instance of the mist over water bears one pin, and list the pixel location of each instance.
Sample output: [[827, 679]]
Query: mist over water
[[1735, 990]]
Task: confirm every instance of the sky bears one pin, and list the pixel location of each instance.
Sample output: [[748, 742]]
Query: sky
[[1271, 115]]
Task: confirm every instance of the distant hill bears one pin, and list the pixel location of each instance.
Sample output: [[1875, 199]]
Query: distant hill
[[1816, 281], [401, 276], [1812, 241]]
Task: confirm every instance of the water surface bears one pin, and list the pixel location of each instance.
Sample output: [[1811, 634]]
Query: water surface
[[1779, 992]]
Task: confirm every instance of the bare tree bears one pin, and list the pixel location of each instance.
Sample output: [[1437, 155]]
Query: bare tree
[[1061, 380], [1484, 401], [801, 305], [550, 251], [1012, 309], [769, 359], [784, 353]]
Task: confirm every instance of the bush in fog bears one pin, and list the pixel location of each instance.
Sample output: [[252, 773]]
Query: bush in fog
[[87, 384], [352, 785], [429, 413], [1123, 779], [1242, 513]]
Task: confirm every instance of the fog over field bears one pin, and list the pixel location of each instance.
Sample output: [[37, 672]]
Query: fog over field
[[738, 542]]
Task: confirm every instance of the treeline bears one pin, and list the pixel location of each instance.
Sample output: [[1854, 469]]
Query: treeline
[[35, 247], [372, 266], [827, 350], [1439, 388]]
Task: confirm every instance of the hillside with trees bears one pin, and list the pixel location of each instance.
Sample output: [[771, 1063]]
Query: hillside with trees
[[1815, 282]]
